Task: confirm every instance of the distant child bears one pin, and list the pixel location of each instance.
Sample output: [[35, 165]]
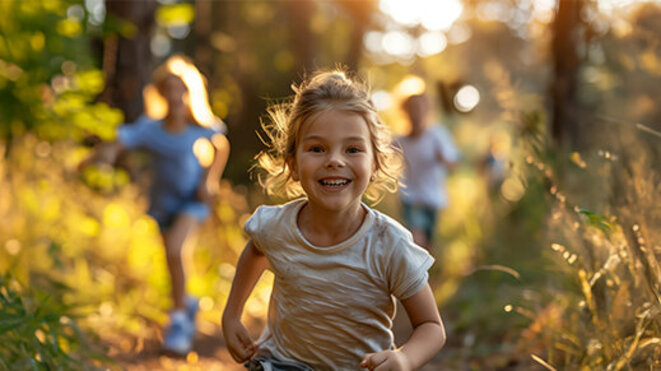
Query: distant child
[[338, 264], [494, 163], [429, 153], [184, 179]]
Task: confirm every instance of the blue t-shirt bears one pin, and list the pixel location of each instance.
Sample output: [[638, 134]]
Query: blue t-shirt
[[177, 171]]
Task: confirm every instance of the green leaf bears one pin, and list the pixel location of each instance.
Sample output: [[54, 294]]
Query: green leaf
[[599, 221], [175, 14]]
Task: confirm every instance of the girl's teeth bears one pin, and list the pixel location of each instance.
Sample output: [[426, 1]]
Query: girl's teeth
[[334, 183]]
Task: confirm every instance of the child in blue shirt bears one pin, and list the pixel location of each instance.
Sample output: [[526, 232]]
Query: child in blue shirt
[[184, 182]]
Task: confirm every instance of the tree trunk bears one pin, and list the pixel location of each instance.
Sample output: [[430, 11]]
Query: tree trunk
[[360, 12], [565, 125], [126, 62], [202, 51], [300, 13]]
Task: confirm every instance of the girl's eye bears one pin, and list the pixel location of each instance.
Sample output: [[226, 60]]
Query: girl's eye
[[316, 149], [354, 150]]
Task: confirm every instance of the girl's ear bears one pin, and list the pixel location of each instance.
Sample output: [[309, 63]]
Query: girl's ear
[[375, 167], [291, 164]]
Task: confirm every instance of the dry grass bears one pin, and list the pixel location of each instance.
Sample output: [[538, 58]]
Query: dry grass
[[609, 315]]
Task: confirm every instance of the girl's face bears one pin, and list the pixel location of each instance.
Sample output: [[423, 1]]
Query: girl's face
[[334, 160], [173, 91], [417, 111]]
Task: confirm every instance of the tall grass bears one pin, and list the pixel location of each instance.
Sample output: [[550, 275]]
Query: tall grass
[[38, 331], [604, 230]]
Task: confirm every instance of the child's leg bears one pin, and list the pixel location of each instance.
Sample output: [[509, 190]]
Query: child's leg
[[174, 239], [417, 220]]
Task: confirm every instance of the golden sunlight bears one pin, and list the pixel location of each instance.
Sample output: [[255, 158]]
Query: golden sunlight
[[197, 92], [203, 150], [410, 85], [197, 97], [434, 15]]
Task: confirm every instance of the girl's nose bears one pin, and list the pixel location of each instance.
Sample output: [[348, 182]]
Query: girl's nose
[[334, 160]]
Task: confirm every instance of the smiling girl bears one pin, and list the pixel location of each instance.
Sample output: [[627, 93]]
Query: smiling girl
[[338, 264]]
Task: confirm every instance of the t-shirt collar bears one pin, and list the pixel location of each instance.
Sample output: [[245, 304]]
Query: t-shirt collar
[[367, 223]]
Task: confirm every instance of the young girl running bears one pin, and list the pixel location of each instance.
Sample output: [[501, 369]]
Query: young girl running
[[175, 133], [337, 263]]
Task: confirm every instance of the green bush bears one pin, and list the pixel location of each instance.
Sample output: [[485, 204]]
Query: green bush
[[37, 331]]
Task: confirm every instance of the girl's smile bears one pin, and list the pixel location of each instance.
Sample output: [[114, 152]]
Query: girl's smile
[[334, 184]]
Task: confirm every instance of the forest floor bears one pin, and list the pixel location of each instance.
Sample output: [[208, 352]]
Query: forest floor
[[210, 354]]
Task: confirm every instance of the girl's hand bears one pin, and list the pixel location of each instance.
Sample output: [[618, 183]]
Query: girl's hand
[[207, 192], [239, 343], [386, 361], [104, 153]]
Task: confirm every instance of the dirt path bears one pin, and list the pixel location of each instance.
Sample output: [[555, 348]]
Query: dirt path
[[210, 354]]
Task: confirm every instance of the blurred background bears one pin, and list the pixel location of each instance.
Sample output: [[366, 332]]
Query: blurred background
[[547, 258]]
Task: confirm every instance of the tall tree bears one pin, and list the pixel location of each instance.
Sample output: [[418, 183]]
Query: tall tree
[[566, 32], [126, 61], [300, 13], [360, 12]]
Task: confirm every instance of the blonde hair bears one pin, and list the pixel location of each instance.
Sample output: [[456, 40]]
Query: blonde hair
[[197, 99], [326, 90]]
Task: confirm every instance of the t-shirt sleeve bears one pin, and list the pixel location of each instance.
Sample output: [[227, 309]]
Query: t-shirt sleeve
[[446, 143], [254, 228], [134, 135], [218, 127], [407, 270]]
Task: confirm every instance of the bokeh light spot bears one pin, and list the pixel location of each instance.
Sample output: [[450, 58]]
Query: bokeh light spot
[[398, 43], [382, 100], [431, 43], [411, 85], [467, 98], [13, 246], [203, 150]]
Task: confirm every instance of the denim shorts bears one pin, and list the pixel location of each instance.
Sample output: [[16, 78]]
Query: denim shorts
[[167, 213], [419, 217]]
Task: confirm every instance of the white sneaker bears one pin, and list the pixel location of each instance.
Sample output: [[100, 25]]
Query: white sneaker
[[179, 336]]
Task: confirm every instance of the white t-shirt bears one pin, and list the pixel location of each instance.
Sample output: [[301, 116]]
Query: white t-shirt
[[331, 305], [424, 175]]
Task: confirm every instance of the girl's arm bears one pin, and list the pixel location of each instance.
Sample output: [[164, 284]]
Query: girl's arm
[[427, 339], [450, 165], [104, 153], [428, 335], [209, 184], [249, 268]]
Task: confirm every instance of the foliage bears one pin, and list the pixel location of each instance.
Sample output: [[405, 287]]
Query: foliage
[[105, 251], [39, 332], [609, 317], [560, 261], [98, 255], [48, 78]]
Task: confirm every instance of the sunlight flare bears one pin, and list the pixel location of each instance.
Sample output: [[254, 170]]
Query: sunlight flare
[[431, 14], [467, 98]]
